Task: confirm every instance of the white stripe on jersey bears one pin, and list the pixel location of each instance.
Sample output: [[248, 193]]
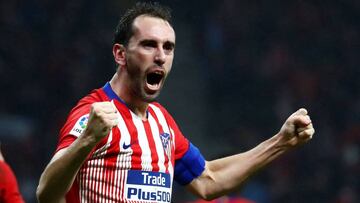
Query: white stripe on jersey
[[166, 129], [143, 143], [158, 144]]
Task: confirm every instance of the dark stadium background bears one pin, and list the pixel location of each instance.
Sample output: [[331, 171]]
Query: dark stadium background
[[241, 67]]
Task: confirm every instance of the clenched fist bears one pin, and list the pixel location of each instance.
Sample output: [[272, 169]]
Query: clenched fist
[[297, 129], [103, 117]]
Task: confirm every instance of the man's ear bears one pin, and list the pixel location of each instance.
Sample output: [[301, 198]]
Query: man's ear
[[119, 54]]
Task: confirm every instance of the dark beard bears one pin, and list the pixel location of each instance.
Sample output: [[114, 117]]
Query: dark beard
[[138, 91], [137, 84]]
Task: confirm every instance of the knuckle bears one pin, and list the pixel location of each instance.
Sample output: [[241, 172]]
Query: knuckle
[[95, 105]]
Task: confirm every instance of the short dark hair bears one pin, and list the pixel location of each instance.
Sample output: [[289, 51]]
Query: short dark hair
[[124, 31]]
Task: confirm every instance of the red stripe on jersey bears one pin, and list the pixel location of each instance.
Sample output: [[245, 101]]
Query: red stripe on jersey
[[154, 156], [136, 156], [151, 111]]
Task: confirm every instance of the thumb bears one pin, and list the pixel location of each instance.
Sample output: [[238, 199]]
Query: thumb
[[301, 112], [301, 121], [117, 119], [300, 118], [113, 104]]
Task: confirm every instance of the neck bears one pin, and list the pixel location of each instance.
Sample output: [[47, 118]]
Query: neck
[[120, 87]]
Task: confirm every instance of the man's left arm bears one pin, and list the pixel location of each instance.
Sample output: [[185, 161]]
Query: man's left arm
[[223, 175]]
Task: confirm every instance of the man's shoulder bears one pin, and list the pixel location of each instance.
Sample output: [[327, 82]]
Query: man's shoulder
[[83, 105], [164, 111], [96, 95], [78, 116]]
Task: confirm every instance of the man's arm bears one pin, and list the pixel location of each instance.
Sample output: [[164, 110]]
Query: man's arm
[[224, 175], [9, 190], [60, 173]]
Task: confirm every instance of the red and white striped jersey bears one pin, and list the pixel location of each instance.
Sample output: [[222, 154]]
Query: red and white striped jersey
[[134, 163]]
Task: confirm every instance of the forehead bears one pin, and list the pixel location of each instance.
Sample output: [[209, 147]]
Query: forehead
[[147, 27]]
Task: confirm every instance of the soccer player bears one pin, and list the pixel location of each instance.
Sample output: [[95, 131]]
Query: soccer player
[[119, 145], [9, 190]]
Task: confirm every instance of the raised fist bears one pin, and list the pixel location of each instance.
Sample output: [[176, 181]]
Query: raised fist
[[103, 117], [297, 129]]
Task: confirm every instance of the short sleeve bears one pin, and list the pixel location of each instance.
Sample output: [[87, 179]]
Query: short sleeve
[[74, 125]]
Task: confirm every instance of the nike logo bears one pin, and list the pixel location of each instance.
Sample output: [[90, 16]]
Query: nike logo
[[125, 146]]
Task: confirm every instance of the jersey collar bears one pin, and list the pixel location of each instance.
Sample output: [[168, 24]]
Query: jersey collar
[[112, 95]]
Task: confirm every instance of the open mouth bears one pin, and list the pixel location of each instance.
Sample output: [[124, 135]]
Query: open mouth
[[153, 80]]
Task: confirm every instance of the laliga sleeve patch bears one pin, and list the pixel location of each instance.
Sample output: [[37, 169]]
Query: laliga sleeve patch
[[190, 166], [80, 125]]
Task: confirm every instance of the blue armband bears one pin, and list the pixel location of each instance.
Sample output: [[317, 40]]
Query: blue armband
[[190, 166]]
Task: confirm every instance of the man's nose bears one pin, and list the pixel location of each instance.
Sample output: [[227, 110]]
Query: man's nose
[[160, 57]]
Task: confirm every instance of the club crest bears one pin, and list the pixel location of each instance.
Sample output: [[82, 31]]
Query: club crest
[[165, 140]]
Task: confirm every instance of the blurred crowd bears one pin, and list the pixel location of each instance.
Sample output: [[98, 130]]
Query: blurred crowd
[[256, 62]]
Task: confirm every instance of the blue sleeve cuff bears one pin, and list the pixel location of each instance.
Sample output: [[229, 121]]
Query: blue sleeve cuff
[[190, 166]]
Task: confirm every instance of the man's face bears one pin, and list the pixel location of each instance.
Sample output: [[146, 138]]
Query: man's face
[[149, 56]]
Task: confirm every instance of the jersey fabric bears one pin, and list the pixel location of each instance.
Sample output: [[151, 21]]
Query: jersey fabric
[[9, 191], [135, 162]]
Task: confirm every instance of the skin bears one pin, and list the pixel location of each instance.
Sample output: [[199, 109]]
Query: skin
[[222, 176], [150, 49]]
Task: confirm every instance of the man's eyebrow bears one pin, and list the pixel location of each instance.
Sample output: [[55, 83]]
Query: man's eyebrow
[[148, 41], [154, 42]]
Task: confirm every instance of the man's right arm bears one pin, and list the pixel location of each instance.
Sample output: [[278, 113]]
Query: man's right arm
[[60, 173]]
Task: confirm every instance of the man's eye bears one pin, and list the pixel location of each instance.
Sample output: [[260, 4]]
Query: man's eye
[[168, 46]]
